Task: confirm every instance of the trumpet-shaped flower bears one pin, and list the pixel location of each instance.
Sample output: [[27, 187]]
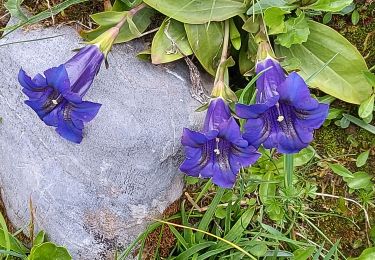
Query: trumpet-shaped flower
[[219, 151], [285, 115], [56, 97]]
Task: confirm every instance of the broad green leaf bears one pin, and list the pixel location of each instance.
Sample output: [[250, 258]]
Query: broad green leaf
[[235, 36], [299, 159], [330, 5], [359, 180], [340, 170], [303, 253], [370, 77], [198, 11], [108, 19], [344, 123], [206, 41], [274, 18], [39, 239], [267, 189], [303, 156], [247, 56], [49, 250], [366, 108], [262, 5], [368, 119], [367, 254], [14, 8], [259, 249], [343, 77], [296, 31], [170, 43]]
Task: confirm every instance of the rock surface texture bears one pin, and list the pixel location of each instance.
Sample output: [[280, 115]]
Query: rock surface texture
[[96, 196]]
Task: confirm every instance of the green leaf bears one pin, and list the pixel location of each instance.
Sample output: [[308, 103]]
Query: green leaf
[[334, 113], [366, 107], [343, 77], [355, 17], [106, 20], [303, 253], [39, 239], [247, 56], [239, 227], [49, 250], [170, 42], [370, 77], [304, 156], [340, 170], [206, 41], [274, 18], [197, 11], [14, 8], [220, 213], [235, 36], [327, 18], [367, 254], [360, 123], [194, 249], [42, 15], [344, 123], [296, 31], [359, 180], [262, 5], [267, 189], [207, 218], [330, 5]]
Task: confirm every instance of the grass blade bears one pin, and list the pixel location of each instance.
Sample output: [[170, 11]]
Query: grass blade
[[207, 218], [360, 123]]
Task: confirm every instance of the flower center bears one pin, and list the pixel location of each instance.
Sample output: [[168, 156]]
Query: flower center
[[217, 150], [280, 118]]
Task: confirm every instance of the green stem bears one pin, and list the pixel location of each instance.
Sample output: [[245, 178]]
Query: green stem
[[288, 169], [219, 85]]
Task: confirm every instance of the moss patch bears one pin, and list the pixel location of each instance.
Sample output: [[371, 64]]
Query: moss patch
[[362, 35]]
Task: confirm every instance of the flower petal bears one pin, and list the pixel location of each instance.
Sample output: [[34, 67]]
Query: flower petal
[[251, 111], [294, 91], [67, 130], [192, 138], [217, 112], [83, 67], [26, 81], [242, 157], [230, 131], [57, 77], [85, 111], [223, 177]]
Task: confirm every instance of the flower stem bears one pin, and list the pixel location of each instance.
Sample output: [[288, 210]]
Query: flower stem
[[288, 169], [219, 86]]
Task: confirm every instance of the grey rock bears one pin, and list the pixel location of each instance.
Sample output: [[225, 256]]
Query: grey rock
[[96, 196]]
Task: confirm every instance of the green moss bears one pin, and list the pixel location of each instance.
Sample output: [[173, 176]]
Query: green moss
[[361, 35], [330, 141]]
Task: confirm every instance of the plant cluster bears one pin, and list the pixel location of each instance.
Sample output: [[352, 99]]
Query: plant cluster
[[263, 56]]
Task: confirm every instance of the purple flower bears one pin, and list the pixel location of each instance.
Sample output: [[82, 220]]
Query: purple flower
[[285, 115], [219, 151], [56, 97]]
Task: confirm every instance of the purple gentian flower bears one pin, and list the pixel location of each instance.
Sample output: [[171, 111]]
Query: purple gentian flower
[[219, 151], [56, 97], [285, 115]]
